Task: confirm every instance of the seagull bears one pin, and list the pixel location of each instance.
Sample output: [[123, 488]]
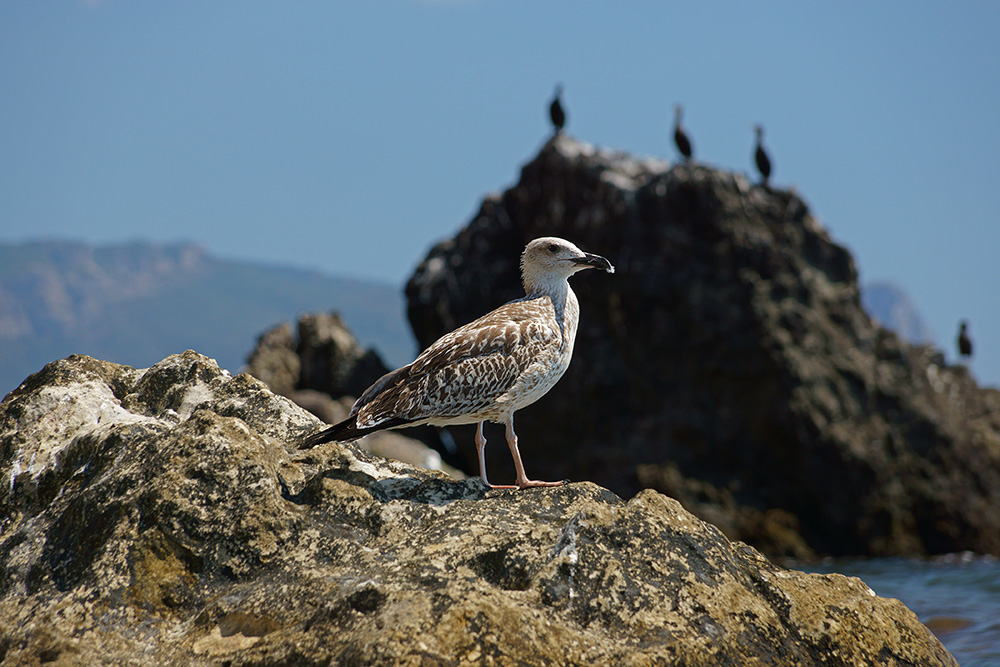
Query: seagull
[[556, 112], [489, 368], [964, 342], [680, 136], [760, 156]]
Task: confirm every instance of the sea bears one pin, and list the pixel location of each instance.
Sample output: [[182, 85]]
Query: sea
[[957, 596]]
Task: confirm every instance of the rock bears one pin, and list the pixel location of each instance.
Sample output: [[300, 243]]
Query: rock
[[275, 360], [774, 531], [731, 350], [325, 356], [321, 404], [332, 359], [161, 516]]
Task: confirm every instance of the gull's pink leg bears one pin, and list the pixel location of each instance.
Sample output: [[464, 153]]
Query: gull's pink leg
[[522, 480], [481, 449]]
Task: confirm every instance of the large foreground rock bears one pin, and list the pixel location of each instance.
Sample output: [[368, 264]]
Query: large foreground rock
[[160, 517], [728, 363]]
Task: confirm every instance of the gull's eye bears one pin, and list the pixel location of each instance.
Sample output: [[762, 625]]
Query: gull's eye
[[553, 248]]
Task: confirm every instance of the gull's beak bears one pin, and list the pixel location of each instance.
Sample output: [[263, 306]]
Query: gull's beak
[[594, 262]]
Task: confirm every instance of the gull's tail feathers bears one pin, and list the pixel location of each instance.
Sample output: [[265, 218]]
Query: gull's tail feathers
[[348, 430]]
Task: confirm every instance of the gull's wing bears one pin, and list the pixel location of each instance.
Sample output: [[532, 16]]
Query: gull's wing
[[465, 371]]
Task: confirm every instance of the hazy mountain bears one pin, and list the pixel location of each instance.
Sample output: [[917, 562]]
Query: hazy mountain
[[890, 305], [137, 303]]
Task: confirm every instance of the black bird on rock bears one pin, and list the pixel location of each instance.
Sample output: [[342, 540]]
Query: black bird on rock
[[964, 342], [760, 156], [680, 136], [556, 111]]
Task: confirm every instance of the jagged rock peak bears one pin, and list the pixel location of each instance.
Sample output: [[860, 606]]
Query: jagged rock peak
[[322, 356]]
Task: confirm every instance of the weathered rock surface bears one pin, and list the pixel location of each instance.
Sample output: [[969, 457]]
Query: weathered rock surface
[[728, 363], [159, 517]]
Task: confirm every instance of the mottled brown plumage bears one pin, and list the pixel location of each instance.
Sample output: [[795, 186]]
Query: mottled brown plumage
[[489, 368]]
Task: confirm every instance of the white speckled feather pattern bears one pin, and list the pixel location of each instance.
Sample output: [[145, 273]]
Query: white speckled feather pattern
[[486, 369]]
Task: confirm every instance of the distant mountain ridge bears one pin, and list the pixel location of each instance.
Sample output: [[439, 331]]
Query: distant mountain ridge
[[135, 303]]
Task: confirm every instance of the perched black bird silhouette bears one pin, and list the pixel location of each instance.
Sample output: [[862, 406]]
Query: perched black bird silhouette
[[964, 342], [680, 136], [760, 156], [556, 111]]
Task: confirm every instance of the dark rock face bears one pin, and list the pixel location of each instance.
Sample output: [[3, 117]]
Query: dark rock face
[[728, 363], [158, 517]]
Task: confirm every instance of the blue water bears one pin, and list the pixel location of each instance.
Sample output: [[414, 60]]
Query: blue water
[[956, 596]]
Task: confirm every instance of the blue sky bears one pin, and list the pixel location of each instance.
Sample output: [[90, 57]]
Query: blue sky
[[351, 136]]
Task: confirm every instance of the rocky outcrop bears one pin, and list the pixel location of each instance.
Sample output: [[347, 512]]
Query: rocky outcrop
[[324, 356], [728, 363], [164, 517]]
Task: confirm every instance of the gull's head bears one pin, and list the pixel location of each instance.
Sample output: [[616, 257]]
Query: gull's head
[[551, 259]]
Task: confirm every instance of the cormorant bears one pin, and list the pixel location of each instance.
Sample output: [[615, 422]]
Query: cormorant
[[680, 136], [556, 112], [964, 342], [760, 156]]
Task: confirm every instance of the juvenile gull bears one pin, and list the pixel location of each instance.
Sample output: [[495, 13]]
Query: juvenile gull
[[489, 368]]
